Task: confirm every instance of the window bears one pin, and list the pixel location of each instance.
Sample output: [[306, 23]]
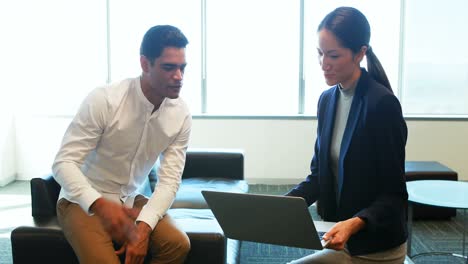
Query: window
[[244, 57], [435, 62], [252, 57], [129, 21], [384, 20], [57, 52]]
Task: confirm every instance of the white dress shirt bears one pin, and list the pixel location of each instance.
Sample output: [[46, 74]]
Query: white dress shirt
[[113, 142]]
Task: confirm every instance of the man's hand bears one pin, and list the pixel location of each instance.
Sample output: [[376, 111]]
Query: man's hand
[[137, 250], [118, 220], [340, 233]]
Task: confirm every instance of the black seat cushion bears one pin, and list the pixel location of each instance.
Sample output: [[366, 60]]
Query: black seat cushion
[[189, 194]]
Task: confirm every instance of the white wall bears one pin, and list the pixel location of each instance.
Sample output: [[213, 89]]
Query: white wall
[[10, 76], [276, 151], [7, 147]]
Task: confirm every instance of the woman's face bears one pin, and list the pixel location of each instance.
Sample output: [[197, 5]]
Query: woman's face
[[339, 64]]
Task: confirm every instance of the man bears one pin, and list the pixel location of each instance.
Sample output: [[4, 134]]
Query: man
[[110, 147]]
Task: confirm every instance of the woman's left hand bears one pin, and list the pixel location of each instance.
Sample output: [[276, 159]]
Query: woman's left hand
[[340, 233]]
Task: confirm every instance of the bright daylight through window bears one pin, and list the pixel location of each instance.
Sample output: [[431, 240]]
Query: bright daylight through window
[[244, 56]]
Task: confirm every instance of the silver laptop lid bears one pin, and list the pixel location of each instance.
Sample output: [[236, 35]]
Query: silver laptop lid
[[273, 219]]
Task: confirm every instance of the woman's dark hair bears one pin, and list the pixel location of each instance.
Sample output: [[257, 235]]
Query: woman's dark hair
[[159, 37], [352, 30]]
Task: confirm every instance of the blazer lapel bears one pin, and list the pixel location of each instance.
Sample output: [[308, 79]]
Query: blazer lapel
[[327, 181], [354, 116], [327, 132]]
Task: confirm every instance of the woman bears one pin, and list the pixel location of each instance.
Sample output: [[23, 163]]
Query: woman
[[357, 171]]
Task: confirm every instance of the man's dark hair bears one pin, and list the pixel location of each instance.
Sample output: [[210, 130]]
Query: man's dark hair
[[159, 37]]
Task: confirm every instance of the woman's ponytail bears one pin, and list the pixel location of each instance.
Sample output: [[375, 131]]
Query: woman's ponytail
[[375, 69]]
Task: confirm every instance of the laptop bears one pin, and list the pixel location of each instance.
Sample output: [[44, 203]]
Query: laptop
[[272, 219]]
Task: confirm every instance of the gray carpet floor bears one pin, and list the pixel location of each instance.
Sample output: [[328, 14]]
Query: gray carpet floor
[[446, 236]]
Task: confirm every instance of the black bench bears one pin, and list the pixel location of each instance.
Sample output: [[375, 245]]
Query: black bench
[[211, 169]]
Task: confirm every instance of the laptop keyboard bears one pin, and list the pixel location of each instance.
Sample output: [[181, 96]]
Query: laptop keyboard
[[321, 234]]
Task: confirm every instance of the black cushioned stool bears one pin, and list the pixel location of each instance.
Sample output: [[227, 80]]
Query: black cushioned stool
[[43, 240], [430, 170]]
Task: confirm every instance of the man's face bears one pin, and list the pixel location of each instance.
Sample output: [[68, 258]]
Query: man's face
[[167, 72]]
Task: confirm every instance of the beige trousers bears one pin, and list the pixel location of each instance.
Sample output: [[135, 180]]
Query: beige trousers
[[325, 256], [92, 244]]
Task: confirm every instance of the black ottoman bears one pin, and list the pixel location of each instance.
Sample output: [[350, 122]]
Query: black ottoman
[[44, 240], [206, 237], [214, 169]]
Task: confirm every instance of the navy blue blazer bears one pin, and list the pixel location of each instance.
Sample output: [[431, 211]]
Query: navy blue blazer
[[371, 180]]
